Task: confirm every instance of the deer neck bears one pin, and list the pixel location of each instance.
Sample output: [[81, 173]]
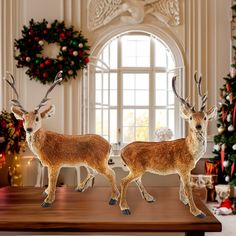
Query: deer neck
[[34, 139], [196, 143]]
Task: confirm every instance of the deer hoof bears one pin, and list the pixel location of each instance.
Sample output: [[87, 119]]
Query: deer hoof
[[46, 204], [92, 182], [44, 194], [201, 215], [151, 200], [126, 212], [113, 202], [79, 189]]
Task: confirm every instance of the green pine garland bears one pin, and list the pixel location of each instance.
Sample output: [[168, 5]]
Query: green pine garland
[[73, 54]]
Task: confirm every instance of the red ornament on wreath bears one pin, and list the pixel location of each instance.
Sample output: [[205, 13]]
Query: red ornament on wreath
[[66, 39]]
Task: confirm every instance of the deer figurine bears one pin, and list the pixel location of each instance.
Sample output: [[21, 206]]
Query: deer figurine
[[169, 157], [57, 150]]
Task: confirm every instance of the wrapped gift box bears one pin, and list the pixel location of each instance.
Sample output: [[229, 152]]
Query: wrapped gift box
[[204, 185]]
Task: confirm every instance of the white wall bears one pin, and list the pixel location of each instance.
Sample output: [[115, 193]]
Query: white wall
[[203, 37]]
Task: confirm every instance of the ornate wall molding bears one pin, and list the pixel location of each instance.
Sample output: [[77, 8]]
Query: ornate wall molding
[[102, 12]]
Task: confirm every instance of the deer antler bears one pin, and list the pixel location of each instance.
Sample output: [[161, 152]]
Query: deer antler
[[15, 102], [203, 97], [44, 101], [183, 101]]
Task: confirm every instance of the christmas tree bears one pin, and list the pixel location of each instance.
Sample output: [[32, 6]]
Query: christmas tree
[[225, 141]]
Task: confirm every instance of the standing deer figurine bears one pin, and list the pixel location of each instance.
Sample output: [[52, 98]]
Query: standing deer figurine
[[57, 150], [169, 157]]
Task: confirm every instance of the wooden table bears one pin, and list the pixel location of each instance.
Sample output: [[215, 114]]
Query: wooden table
[[72, 211]]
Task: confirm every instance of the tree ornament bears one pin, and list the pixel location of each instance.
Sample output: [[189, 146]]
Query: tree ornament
[[86, 60], [28, 59], [41, 65], [227, 87], [229, 117], [64, 48], [45, 75], [32, 42], [216, 147], [221, 129], [72, 63], [231, 128], [60, 58], [226, 163], [227, 178], [70, 72], [234, 147], [75, 53], [48, 62], [223, 146], [80, 45], [41, 43]]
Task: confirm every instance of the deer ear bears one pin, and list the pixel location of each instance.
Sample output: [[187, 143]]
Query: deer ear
[[48, 112], [211, 113], [17, 113], [184, 112]]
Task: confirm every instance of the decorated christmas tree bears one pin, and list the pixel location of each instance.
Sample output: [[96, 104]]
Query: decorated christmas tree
[[225, 141]]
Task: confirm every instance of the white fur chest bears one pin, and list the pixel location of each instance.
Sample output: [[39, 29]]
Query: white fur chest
[[31, 143]]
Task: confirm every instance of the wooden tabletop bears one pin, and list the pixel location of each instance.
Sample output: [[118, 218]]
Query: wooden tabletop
[[89, 212]]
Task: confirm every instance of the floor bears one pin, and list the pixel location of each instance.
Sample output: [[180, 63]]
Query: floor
[[228, 224]]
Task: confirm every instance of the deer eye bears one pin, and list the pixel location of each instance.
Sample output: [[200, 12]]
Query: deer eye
[[37, 119], [191, 118]]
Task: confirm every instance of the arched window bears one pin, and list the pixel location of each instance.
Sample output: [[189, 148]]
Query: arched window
[[135, 98]]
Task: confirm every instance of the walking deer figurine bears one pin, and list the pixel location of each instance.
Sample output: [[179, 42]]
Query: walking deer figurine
[[57, 150], [169, 157]]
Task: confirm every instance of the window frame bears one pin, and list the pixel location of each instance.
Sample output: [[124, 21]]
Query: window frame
[[152, 70]]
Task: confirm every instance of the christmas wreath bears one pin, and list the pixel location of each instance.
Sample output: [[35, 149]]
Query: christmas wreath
[[73, 49]]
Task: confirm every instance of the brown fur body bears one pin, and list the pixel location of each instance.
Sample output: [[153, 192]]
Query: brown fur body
[[89, 149]]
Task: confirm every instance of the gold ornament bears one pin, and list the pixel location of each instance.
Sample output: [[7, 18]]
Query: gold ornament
[[221, 129]]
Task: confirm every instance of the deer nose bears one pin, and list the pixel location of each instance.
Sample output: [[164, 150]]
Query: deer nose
[[29, 130], [198, 127]]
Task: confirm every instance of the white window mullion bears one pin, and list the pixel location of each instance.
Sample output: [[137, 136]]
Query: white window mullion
[[152, 94], [119, 94]]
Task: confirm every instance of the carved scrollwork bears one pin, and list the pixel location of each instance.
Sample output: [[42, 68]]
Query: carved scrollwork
[[101, 12]]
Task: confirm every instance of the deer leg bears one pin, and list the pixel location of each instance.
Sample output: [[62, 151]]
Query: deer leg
[[185, 178], [182, 196], [124, 185], [110, 175], [52, 182], [84, 185], [147, 197]]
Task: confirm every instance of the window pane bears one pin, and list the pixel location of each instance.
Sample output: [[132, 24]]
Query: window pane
[[160, 98], [113, 97], [105, 97], [113, 81], [128, 117], [142, 81], [98, 81], [128, 81], [128, 134], [113, 126], [161, 80], [105, 80], [98, 121], [113, 54], [171, 62], [128, 97], [105, 122], [142, 117], [160, 54], [142, 133], [142, 98], [171, 98], [135, 51], [170, 76], [161, 118], [171, 120]]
